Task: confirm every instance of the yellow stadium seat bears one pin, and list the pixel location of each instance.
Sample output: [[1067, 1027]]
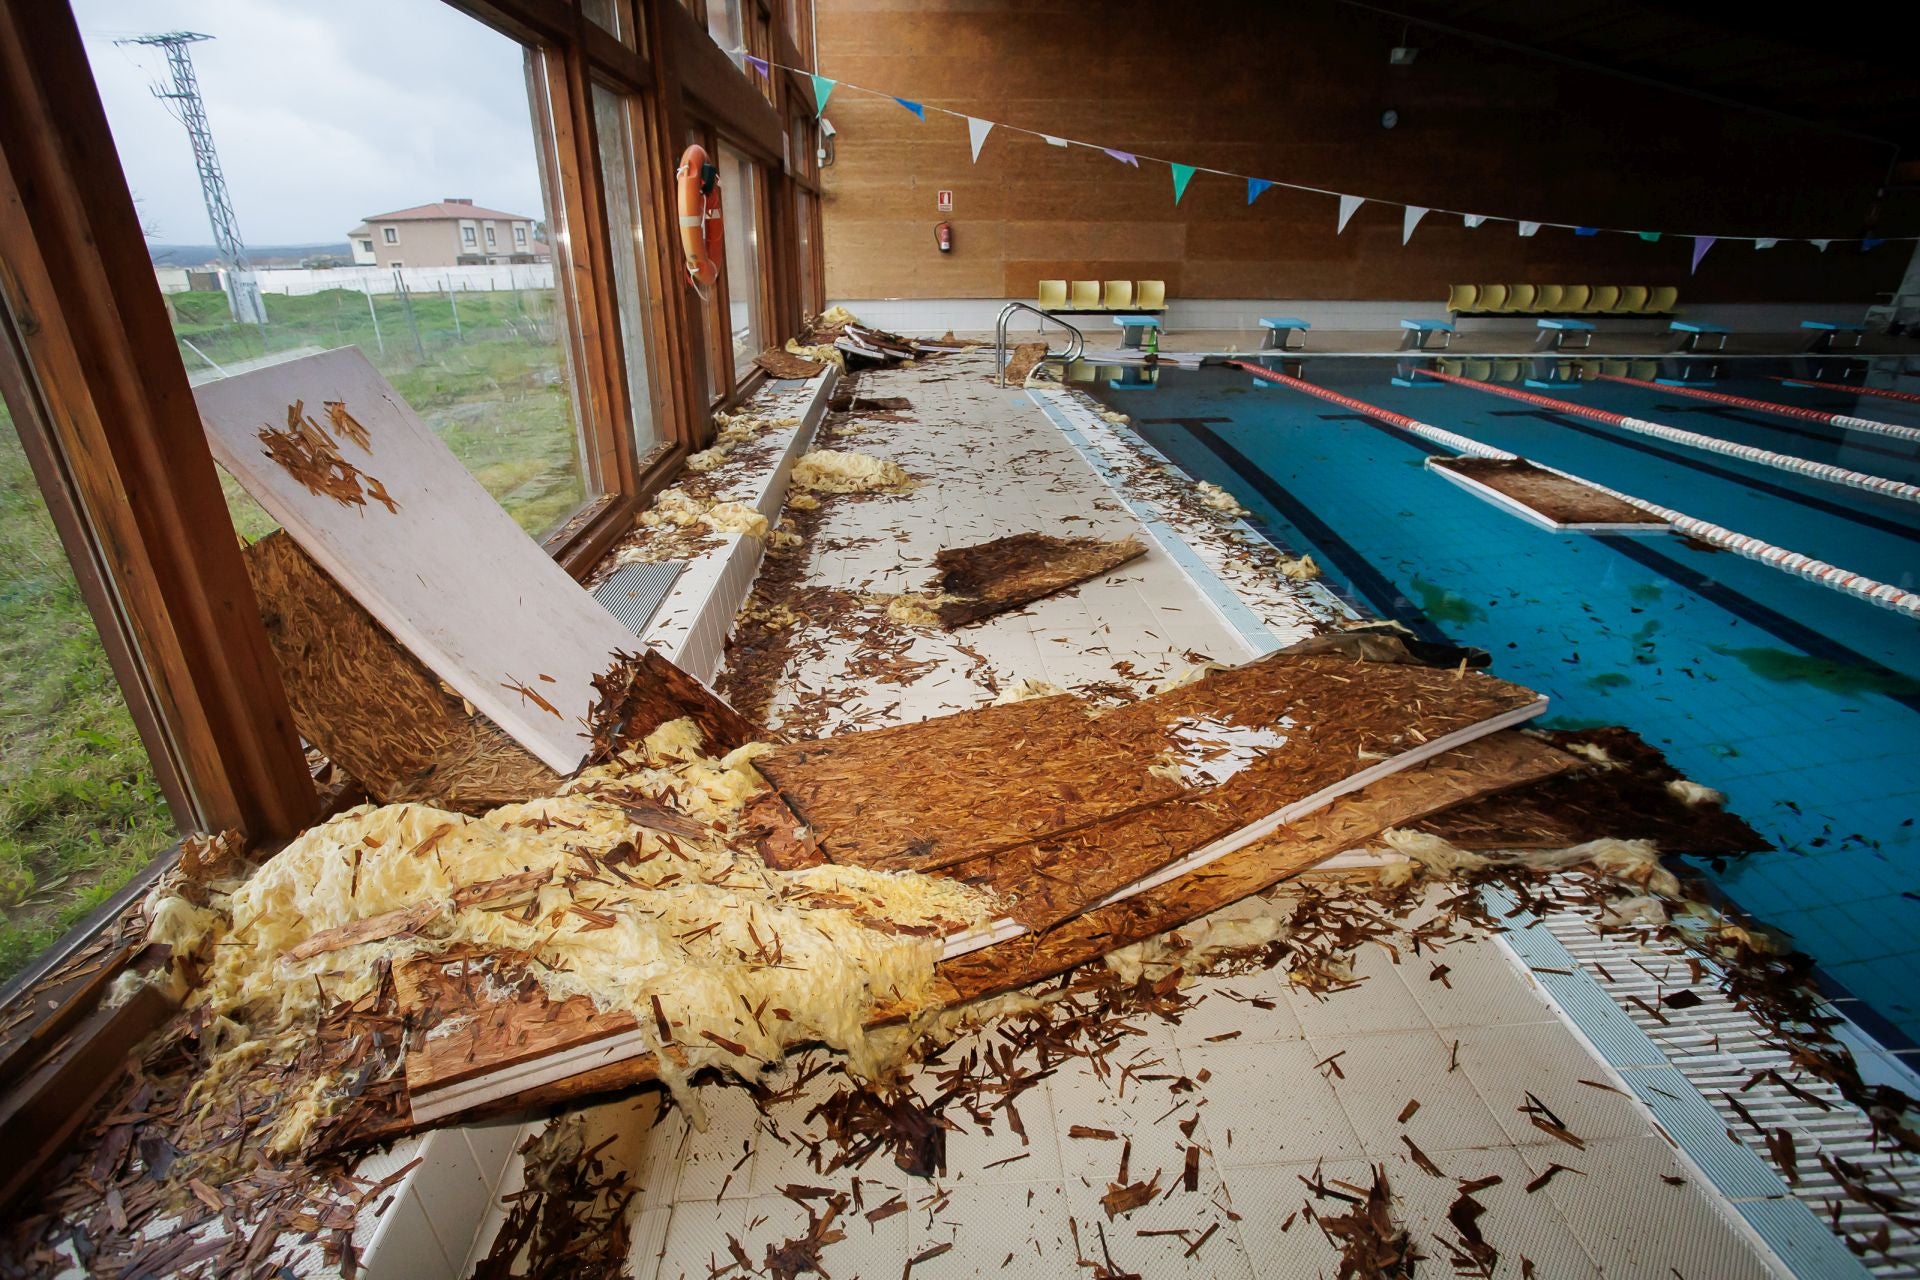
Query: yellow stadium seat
[[1551, 297], [1151, 295], [1506, 371], [1605, 298], [1086, 295], [1052, 295], [1574, 298], [1478, 370], [1645, 370], [1633, 299], [1493, 297], [1118, 295], [1465, 297], [1662, 300], [1520, 297]]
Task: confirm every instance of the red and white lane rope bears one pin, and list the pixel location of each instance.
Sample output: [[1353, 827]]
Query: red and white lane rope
[[1694, 440], [1767, 406], [1885, 393], [1856, 584]]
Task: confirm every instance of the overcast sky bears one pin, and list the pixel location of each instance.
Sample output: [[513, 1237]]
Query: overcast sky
[[323, 111]]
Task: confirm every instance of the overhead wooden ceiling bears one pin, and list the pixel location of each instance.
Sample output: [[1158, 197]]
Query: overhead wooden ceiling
[[1857, 71]]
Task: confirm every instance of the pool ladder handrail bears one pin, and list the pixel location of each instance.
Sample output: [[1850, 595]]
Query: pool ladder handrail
[[1076, 343]]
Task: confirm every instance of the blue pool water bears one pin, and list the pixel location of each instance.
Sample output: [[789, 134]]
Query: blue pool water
[[1800, 702]]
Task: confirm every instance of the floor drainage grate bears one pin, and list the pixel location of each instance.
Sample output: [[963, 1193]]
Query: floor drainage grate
[[1718, 1048], [632, 592]]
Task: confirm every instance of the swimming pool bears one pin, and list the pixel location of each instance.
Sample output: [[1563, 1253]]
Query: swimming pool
[[1800, 702]]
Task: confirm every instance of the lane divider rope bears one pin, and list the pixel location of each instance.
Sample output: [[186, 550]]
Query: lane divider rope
[[1767, 406], [1885, 393], [1856, 584], [1694, 440]]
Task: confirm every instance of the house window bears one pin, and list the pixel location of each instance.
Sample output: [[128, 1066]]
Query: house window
[[392, 234], [466, 235], [366, 246], [396, 263], [489, 235], [737, 179], [520, 235]]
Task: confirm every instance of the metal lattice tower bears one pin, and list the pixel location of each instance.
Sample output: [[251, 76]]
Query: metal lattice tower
[[183, 101]]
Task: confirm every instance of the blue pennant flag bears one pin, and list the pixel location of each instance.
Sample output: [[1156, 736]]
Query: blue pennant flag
[[1255, 187], [914, 107], [1872, 242], [1586, 231]]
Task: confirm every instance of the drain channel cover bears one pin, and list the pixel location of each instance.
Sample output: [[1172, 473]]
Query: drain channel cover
[[632, 592]]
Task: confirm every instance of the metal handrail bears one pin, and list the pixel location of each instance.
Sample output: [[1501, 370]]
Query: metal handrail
[[1076, 344]]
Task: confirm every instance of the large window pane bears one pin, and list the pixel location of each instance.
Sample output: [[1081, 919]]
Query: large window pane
[[383, 159], [80, 811], [724, 25], [742, 207], [625, 200]]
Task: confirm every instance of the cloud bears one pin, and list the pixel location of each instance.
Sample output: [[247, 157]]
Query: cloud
[[321, 114]]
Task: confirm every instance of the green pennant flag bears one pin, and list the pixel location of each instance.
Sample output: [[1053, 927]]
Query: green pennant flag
[[1651, 237], [1182, 175], [822, 90]]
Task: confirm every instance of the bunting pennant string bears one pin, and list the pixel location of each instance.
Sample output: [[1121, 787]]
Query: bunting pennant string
[[1410, 221], [1700, 246], [977, 131], [1183, 174]]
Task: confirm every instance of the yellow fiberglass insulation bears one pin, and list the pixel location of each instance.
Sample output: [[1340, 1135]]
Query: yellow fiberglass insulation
[[834, 471], [735, 517], [705, 928], [916, 609], [825, 351], [680, 508]]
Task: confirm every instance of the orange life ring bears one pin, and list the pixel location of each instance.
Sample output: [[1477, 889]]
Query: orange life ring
[[702, 238]]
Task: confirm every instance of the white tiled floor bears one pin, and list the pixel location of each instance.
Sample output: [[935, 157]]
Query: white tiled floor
[[1269, 1106]]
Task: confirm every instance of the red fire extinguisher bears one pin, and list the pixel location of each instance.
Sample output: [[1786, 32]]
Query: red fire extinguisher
[[943, 236]]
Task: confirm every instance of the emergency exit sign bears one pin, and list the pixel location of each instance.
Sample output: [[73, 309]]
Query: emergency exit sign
[[943, 202]]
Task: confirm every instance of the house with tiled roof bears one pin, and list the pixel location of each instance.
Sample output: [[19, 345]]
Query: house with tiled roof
[[453, 232]]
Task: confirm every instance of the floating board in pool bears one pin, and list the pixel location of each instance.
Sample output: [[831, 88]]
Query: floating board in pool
[[1546, 498]]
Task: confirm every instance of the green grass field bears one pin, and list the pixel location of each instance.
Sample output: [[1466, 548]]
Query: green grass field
[[79, 809]]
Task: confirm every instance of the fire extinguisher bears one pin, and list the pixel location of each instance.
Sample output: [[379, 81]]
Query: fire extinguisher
[[943, 236]]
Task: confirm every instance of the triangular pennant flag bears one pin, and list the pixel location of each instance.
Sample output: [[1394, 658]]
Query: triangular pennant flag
[[1586, 231], [914, 107], [1347, 205], [1821, 245], [1651, 237], [1053, 141], [977, 131], [1529, 228], [1700, 246], [1472, 219], [1256, 186], [1872, 242], [1124, 157], [822, 90], [1182, 175], [1410, 220], [759, 64], [1765, 243]]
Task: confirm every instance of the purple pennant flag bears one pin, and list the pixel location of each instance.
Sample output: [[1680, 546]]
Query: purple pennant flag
[[1700, 246], [759, 64], [1124, 157]]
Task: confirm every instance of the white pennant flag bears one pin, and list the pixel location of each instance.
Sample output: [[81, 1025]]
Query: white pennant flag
[[1347, 205], [977, 131], [1472, 219], [1765, 244], [1820, 244], [1053, 141], [1410, 221], [1528, 228]]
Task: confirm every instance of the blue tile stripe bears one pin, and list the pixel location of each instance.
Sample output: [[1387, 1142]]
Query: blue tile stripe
[[1750, 1184]]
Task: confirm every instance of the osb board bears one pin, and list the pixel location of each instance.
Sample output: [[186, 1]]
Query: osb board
[[372, 706], [781, 363], [1629, 800], [1553, 498], [525, 1051], [1314, 725], [642, 691], [993, 577], [445, 570], [921, 796]]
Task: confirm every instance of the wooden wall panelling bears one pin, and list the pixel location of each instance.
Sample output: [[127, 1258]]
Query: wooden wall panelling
[[1482, 129]]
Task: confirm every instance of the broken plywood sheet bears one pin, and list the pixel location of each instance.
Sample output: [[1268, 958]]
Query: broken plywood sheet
[[501, 1044], [784, 364], [374, 708], [395, 519], [1546, 497], [927, 795], [980, 581]]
